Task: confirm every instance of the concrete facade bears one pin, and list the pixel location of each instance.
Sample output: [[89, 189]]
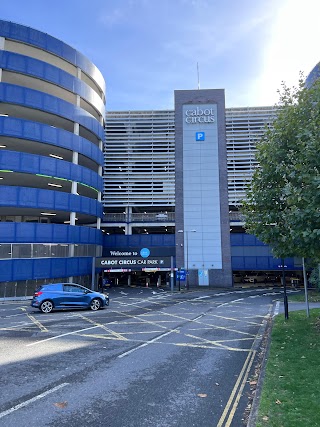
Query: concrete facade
[[202, 212]]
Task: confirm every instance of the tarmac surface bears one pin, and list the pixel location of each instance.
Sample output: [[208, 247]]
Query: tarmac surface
[[277, 308]]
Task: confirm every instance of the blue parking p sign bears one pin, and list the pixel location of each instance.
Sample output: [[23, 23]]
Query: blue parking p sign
[[200, 136]]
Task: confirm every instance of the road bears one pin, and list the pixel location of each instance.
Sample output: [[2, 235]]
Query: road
[[151, 359]]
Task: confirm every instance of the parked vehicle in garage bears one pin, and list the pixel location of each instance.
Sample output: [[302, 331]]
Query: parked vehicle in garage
[[238, 278], [257, 277], [67, 295], [272, 278]]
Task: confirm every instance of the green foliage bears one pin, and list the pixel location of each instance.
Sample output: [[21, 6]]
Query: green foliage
[[290, 394], [313, 296], [282, 206], [314, 278]]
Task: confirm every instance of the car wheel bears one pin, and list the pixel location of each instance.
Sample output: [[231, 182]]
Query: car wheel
[[95, 304], [46, 306]]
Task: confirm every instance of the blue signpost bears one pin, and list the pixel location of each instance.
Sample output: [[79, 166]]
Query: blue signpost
[[181, 275]]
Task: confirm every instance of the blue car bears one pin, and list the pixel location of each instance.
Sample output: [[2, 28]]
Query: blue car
[[67, 295]]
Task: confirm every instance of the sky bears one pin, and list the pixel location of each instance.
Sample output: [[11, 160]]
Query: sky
[[146, 49]]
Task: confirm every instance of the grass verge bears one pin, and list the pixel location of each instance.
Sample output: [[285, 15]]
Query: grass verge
[[290, 392], [313, 296]]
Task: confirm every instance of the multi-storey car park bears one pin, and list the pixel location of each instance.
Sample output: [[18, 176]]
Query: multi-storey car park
[[244, 128], [161, 194], [52, 113], [140, 198], [139, 165]]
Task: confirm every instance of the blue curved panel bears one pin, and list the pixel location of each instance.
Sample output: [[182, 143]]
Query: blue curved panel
[[25, 232], [34, 131], [14, 94], [44, 268], [35, 164], [23, 197], [41, 70], [46, 42]]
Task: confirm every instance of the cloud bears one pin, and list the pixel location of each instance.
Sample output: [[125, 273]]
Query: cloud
[[112, 17], [211, 40], [293, 47]]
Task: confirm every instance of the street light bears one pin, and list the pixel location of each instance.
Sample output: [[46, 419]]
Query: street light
[[283, 280], [187, 251], [284, 284]]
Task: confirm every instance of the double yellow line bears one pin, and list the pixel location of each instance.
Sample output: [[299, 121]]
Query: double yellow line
[[236, 393]]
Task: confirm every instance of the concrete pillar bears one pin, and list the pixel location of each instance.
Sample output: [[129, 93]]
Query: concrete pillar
[[76, 128]]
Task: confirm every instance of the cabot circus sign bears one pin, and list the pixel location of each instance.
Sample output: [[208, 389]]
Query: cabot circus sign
[[133, 262], [199, 115]]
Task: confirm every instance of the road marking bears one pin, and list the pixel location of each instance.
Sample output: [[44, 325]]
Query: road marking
[[213, 343], [113, 333], [199, 317], [236, 300], [233, 318], [13, 315], [239, 394], [59, 336], [34, 399], [35, 321], [206, 324], [142, 320], [276, 311], [145, 344], [243, 376]]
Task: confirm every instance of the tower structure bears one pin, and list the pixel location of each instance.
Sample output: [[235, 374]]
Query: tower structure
[[51, 158]]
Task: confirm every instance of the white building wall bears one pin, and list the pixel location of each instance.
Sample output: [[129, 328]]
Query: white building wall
[[201, 191], [139, 167]]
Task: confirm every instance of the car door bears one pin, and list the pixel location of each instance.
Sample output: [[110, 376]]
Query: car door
[[75, 295]]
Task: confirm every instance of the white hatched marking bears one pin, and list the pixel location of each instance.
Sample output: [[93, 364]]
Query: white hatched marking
[[34, 399]]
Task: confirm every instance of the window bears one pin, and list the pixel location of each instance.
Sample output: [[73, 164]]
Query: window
[[5, 251], [21, 250], [72, 288]]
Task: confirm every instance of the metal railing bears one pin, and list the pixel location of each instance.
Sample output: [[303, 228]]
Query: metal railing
[[24, 289], [140, 217], [156, 217], [236, 216], [10, 291]]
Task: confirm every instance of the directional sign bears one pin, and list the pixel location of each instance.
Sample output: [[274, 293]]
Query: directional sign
[[181, 275]]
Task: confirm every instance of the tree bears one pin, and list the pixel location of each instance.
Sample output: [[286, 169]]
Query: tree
[[282, 206]]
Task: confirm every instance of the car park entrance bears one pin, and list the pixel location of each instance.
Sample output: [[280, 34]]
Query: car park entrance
[[269, 278], [133, 268], [159, 279]]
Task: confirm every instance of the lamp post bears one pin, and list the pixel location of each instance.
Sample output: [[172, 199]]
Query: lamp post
[[285, 297], [283, 280], [187, 252]]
